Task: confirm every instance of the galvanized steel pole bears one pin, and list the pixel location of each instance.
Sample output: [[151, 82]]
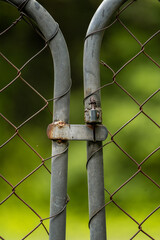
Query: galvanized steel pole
[[91, 84], [62, 82]]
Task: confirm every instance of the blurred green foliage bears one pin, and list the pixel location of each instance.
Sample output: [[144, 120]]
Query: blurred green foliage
[[18, 102]]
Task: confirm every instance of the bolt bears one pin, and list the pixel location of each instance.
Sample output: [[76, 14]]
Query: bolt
[[92, 102]]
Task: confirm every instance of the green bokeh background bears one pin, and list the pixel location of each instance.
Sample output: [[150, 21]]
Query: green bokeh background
[[141, 78]]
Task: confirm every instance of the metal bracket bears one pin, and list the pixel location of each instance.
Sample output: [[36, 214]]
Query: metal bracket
[[93, 114], [61, 131]]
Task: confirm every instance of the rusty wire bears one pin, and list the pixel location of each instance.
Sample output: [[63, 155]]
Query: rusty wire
[[17, 129], [141, 111]]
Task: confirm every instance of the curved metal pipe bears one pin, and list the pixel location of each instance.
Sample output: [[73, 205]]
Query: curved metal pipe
[[91, 71], [59, 51], [92, 47], [62, 84]]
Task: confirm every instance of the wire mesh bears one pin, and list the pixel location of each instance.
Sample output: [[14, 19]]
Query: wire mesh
[[137, 163], [14, 134], [129, 139]]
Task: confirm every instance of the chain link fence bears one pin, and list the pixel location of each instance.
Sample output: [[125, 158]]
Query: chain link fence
[[130, 103], [26, 158]]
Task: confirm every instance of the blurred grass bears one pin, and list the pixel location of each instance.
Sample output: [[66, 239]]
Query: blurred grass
[[140, 138]]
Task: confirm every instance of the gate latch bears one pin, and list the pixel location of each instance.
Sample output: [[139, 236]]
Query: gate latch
[[93, 114], [66, 132]]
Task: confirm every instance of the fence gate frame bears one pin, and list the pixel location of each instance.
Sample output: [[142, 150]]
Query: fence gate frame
[[60, 131], [62, 84], [91, 73]]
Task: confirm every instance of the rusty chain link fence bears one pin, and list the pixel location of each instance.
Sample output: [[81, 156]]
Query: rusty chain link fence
[[130, 109]]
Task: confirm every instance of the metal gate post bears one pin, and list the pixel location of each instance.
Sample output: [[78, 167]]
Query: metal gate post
[[93, 116], [62, 79]]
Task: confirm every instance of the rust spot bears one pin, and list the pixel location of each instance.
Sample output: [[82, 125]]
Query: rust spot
[[51, 127], [60, 124], [91, 126], [50, 130], [59, 141]]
